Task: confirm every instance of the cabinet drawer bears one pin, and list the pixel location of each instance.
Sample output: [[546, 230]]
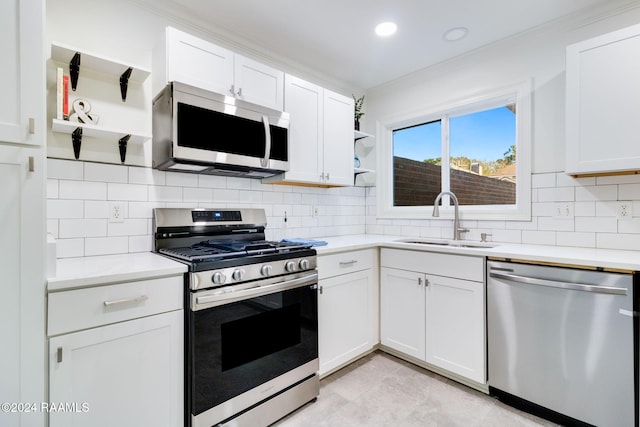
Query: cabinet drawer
[[449, 265], [91, 307], [345, 262]]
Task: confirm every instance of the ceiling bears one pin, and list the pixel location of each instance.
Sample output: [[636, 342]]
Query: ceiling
[[336, 38]]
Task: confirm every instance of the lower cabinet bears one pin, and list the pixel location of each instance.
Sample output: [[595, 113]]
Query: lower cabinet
[[128, 373], [347, 307], [435, 318]]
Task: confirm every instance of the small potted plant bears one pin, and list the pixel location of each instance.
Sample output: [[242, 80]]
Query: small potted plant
[[357, 107]]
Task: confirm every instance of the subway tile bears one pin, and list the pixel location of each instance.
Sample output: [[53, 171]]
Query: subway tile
[[177, 179], [618, 241], [226, 196], [69, 248], [138, 175], [553, 224], [213, 181], [105, 172], [52, 227], [65, 209], [630, 226], [505, 236], [562, 194], [564, 180], [75, 228], [597, 193], [143, 209], [273, 197], [164, 194], [82, 190], [538, 237], [247, 196], [130, 227], [52, 188], [65, 169], [609, 208], [543, 208], [523, 225], [584, 209], [543, 180], [629, 192], [141, 243], [596, 224], [584, 240], [134, 192], [197, 194], [106, 245], [97, 209], [619, 179]]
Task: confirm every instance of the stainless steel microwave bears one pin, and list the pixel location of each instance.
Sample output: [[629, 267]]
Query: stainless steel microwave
[[198, 131]]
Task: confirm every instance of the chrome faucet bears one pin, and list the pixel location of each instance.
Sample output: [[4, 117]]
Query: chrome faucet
[[456, 219]]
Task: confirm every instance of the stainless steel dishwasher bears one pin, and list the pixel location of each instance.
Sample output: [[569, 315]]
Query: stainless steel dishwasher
[[561, 342]]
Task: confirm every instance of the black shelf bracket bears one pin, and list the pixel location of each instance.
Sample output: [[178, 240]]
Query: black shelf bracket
[[124, 82], [76, 139], [122, 146], [74, 70]]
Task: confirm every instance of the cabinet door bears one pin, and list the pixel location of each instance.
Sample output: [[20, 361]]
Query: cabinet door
[[338, 139], [258, 83], [22, 106], [402, 311], [603, 103], [455, 332], [22, 371], [345, 323], [196, 62], [303, 102], [125, 374]]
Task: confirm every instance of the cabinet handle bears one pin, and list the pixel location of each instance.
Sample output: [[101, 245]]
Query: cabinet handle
[[426, 282], [59, 355], [419, 281], [32, 164], [346, 263], [232, 90], [328, 176], [32, 125], [320, 290], [126, 300], [239, 93]]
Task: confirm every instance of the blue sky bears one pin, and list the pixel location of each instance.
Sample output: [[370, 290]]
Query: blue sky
[[485, 136]]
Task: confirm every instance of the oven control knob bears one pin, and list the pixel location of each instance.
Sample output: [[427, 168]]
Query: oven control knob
[[304, 264], [238, 274], [218, 278], [290, 266], [265, 270]]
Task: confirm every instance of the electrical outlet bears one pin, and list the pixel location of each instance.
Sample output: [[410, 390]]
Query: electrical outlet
[[116, 212], [624, 210], [563, 211], [314, 211]]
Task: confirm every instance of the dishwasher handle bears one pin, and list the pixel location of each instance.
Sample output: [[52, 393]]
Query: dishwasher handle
[[561, 285]]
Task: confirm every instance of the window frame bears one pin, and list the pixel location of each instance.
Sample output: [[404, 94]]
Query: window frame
[[520, 94]]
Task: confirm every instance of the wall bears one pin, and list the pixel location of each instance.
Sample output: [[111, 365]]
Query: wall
[[79, 192], [537, 55]]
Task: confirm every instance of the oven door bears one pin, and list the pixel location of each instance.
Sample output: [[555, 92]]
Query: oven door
[[248, 345]]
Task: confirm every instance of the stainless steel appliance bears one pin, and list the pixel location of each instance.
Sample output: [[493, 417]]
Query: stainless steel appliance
[[198, 131], [251, 346], [561, 342]]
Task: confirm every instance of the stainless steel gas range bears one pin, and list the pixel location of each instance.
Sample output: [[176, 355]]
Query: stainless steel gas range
[[251, 307]]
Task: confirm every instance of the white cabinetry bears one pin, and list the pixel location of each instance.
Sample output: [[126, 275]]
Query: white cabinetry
[[432, 309], [347, 307], [603, 104], [188, 59], [320, 135], [118, 355], [22, 208]]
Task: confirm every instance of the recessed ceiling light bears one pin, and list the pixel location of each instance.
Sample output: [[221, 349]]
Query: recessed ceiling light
[[455, 34], [385, 29]]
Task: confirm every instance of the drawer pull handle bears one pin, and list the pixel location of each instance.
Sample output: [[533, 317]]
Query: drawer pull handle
[[126, 300], [345, 263], [59, 355]]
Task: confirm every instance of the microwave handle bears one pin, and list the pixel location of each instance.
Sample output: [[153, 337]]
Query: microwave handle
[[267, 142]]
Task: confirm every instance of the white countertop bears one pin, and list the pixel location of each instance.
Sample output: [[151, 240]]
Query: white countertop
[[99, 270], [586, 257]]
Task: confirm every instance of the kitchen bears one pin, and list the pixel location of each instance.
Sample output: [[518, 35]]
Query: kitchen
[[78, 193]]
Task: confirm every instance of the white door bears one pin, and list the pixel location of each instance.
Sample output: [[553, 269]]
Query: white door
[[303, 102], [402, 311], [125, 374], [22, 71], [338, 139], [22, 373], [196, 62], [344, 318], [455, 326], [258, 83]]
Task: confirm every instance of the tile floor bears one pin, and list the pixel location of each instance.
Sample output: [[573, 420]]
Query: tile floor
[[382, 390]]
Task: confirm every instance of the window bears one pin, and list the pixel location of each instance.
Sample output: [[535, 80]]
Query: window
[[478, 150]]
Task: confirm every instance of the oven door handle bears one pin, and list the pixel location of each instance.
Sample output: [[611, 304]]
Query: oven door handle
[[219, 297]]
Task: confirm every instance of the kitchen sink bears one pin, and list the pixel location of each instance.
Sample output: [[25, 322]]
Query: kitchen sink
[[450, 243]]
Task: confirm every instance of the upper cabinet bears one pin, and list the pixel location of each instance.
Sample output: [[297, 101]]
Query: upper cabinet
[[21, 110], [603, 104], [187, 59], [320, 136]]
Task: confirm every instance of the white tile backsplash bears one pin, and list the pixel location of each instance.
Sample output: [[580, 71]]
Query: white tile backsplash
[[79, 194]]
